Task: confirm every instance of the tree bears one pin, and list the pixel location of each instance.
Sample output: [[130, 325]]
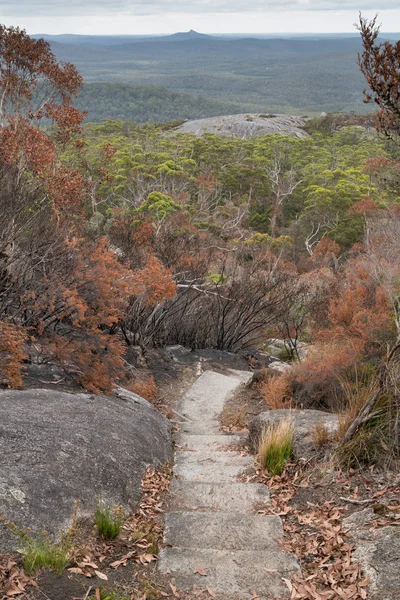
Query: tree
[[380, 65]]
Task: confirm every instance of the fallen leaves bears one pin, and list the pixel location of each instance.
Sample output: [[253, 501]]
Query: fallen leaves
[[315, 535], [138, 542], [13, 580]]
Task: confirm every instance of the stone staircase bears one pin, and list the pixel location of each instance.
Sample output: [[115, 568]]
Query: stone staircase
[[214, 540]]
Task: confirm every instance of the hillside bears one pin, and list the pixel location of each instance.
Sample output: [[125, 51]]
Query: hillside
[[142, 103], [294, 76]]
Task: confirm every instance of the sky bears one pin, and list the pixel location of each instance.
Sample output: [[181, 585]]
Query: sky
[[208, 16]]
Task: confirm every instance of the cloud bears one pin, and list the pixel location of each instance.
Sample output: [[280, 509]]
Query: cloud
[[71, 8]]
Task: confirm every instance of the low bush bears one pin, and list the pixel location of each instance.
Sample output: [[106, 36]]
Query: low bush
[[277, 392], [144, 387], [40, 551], [276, 446]]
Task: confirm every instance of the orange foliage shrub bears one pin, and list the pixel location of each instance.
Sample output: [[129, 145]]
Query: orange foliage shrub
[[92, 296], [12, 354], [144, 387], [96, 360], [154, 282], [326, 246], [277, 391], [316, 380]]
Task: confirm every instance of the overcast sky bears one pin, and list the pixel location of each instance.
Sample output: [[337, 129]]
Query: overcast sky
[[208, 16]]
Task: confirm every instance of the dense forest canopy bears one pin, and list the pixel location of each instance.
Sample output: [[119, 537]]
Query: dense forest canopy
[[141, 103]]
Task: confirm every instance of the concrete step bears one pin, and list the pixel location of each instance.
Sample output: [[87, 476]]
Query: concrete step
[[223, 531], [205, 427], [185, 441], [215, 539], [231, 575], [210, 467], [235, 497], [207, 396]]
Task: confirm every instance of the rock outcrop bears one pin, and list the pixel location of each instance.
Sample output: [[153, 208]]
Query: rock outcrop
[[57, 447], [304, 422], [378, 552], [246, 126]]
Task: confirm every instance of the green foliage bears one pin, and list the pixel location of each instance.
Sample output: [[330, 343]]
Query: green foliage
[[216, 278], [157, 167], [159, 205], [109, 521], [148, 103]]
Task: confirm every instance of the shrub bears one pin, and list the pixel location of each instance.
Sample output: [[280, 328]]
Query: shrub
[[277, 392], [12, 353], [355, 397], [40, 552], [315, 381], [375, 441], [276, 446], [144, 387], [109, 521]]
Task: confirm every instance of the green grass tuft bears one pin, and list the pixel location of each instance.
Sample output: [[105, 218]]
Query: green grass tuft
[[109, 521], [42, 553], [276, 446]]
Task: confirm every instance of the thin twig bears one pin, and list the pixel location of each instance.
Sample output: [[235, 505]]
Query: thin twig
[[352, 501], [181, 416], [88, 592]]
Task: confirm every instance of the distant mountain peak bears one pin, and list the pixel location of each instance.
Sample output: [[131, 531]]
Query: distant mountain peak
[[187, 35]]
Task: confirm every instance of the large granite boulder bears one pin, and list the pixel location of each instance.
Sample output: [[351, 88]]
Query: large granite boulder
[[304, 421], [57, 447], [246, 125], [378, 552]]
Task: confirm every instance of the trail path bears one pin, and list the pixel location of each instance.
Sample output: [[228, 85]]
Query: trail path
[[214, 539]]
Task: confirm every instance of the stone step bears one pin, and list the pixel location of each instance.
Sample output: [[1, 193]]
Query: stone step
[[207, 396], [210, 467], [223, 531], [185, 441], [235, 497], [205, 427], [230, 575]]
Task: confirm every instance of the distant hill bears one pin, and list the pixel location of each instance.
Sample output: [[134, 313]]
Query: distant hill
[[186, 35], [118, 40]]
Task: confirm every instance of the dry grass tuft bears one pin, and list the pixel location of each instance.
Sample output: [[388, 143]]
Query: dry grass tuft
[[321, 436], [276, 446]]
